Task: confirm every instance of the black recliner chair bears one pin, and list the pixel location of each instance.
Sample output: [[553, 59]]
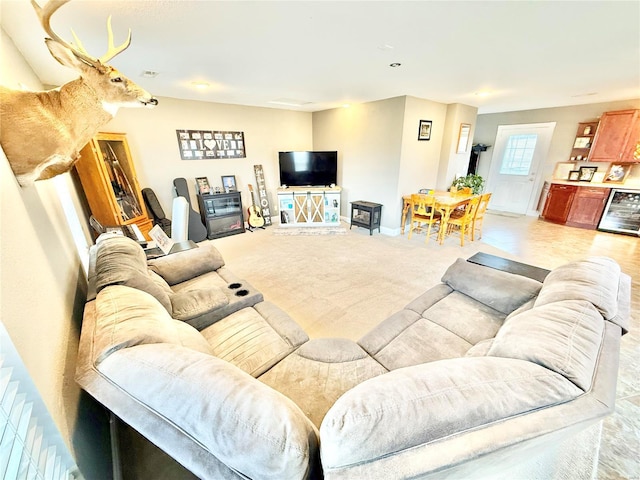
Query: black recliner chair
[[154, 207]]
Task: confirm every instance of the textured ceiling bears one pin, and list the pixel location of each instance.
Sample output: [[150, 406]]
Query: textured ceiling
[[324, 54]]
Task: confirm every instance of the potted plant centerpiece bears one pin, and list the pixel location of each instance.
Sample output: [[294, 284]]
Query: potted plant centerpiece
[[472, 181]]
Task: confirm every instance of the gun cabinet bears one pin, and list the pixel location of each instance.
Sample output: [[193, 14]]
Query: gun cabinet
[[110, 183]]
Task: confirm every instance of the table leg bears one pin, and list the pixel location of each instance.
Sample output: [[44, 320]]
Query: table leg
[[405, 210], [445, 212]]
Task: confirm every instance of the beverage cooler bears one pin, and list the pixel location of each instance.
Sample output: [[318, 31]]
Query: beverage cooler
[[622, 212]]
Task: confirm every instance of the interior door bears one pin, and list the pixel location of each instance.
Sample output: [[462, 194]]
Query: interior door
[[514, 178]]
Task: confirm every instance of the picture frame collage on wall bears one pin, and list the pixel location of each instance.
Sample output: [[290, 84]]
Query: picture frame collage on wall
[[210, 144]]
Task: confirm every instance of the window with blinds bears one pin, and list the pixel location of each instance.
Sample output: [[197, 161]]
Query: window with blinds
[[31, 447]]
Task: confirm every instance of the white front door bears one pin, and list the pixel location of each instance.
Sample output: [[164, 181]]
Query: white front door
[[519, 153]]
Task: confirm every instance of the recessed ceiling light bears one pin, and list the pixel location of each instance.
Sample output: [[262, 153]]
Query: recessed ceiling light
[[484, 93], [289, 102], [200, 85], [394, 65], [149, 74], [386, 46], [346, 105]]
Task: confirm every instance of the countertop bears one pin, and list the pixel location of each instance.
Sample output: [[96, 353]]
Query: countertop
[[626, 186]]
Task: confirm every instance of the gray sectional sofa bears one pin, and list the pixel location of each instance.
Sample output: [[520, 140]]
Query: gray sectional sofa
[[488, 374]]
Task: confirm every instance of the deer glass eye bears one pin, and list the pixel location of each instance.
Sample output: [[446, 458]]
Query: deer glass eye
[[117, 79]]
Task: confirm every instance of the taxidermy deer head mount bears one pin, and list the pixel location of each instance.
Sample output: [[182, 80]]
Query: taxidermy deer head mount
[[42, 132]]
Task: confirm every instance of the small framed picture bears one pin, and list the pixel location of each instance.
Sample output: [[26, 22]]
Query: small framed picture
[[574, 175], [203, 185], [586, 173], [229, 183], [424, 130], [463, 137], [617, 173]]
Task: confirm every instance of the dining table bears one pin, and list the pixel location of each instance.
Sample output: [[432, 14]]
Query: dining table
[[446, 202]]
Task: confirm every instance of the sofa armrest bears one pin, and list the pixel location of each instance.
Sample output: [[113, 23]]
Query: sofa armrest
[[417, 405], [183, 266], [248, 426]]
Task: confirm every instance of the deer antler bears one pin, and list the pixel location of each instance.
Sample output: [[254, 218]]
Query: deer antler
[[45, 13], [113, 51]]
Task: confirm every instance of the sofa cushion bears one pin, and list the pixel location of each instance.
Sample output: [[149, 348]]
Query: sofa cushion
[[121, 261], [182, 266], [319, 372], [255, 338], [564, 337], [251, 428], [499, 290], [190, 304], [595, 280], [423, 403], [126, 317], [420, 341]]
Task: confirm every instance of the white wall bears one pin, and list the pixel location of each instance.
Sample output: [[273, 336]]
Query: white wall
[[380, 157], [42, 291], [151, 134], [452, 163], [420, 159], [368, 138]]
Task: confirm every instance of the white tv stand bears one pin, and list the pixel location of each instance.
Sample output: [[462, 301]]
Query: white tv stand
[[309, 206]]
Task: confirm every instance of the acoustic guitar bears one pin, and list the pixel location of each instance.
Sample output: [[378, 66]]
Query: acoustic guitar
[[255, 220], [197, 230]]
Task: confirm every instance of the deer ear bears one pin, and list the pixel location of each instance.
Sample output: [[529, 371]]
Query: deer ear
[[64, 55]]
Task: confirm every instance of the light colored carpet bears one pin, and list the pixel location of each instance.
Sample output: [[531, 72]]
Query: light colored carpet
[[341, 286]]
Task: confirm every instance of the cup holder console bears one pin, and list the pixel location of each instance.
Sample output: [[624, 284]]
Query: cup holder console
[[239, 292]]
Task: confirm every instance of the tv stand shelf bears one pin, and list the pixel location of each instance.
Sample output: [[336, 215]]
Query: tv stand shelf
[[309, 206]]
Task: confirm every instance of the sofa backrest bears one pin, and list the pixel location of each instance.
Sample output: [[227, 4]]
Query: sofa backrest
[[126, 317], [121, 261], [597, 280]]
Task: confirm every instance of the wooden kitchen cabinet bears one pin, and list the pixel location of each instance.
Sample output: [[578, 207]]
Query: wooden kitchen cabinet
[[617, 136], [558, 204], [110, 183], [587, 207]]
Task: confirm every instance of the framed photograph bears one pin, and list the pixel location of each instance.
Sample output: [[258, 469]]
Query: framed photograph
[[586, 173], [574, 175], [229, 183], [424, 130], [617, 173], [463, 138], [203, 185]]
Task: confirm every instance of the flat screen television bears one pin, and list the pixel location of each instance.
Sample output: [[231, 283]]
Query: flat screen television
[[303, 169]]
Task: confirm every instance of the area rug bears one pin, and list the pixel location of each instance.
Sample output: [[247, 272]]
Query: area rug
[[295, 231]]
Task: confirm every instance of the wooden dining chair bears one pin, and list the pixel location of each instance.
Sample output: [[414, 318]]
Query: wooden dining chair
[[479, 216], [462, 219], [423, 212]]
